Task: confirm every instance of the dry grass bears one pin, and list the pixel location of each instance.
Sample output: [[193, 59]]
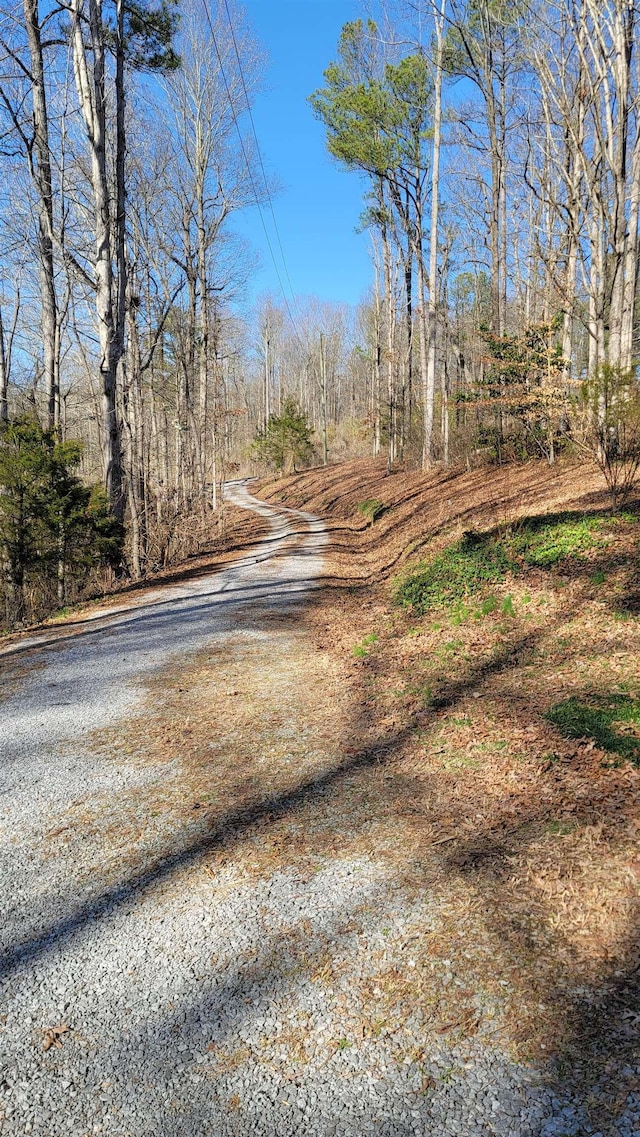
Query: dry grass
[[430, 755], [529, 839]]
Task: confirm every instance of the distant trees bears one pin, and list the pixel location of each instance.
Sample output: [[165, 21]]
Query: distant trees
[[483, 44], [377, 115], [586, 63], [524, 199], [211, 180]]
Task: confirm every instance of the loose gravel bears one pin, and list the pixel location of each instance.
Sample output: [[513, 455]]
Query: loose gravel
[[193, 1005]]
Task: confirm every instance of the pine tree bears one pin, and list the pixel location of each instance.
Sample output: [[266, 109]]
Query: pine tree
[[286, 439]]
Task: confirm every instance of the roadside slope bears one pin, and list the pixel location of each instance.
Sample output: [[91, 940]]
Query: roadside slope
[[509, 718], [420, 508]]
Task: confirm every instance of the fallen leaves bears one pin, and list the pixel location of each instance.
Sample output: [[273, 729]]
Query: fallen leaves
[[53, 1036], [526, 838], [519, 839]]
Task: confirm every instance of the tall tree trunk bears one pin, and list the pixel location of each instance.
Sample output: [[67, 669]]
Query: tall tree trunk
[[90, 82], [502, 198], [496, 319], [573, 179], [439, 18], [323, 397], [4, 376], [41, 174], [622, 44], [203, 355], [631, 262], [408, 293], [377, 365], [428, 381], [390, 345], [133, 417], [121, 291], [267, 376]]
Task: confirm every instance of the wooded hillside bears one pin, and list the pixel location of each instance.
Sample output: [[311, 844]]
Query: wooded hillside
[[498, 146]]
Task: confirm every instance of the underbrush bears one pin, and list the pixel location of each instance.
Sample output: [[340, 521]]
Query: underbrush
[[462, 570]]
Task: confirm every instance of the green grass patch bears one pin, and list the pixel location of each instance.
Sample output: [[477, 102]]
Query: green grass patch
[[362, 649], [542, 542], [61, 613], [422, 690], [470, 566], [559, 828], [488, 606], [612, 721], [449, 650], [550, 757], [371, 509], [507, 606], [458, 572], [460, 762], [460, 613]]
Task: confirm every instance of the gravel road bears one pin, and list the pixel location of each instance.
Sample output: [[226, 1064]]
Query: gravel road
[[157, 1000]]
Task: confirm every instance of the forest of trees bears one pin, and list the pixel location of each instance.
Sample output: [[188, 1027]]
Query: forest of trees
[[498, 147]]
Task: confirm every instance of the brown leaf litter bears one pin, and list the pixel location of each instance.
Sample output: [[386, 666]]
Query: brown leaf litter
[[53, 1036], [428, 754]]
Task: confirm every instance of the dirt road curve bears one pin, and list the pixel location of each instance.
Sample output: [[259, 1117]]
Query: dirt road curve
[[169, 965]]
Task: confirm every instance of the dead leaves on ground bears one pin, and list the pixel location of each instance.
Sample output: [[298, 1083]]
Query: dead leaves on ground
[[53, 1036], [478, 799]]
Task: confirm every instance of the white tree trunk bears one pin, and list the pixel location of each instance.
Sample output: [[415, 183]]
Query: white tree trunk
[[439, 18], [90, 82], [41, 175]]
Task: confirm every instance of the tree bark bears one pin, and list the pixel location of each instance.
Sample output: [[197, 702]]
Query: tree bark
[[90, 82], [390, 352], [439, 18], [4, 376], [323, 398], [41, 174]]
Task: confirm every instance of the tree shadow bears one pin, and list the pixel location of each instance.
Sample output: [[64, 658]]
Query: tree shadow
[[151, 612], [595, 1035]]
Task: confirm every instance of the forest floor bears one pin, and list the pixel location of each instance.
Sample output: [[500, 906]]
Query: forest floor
[[528, 837], [320, 864]]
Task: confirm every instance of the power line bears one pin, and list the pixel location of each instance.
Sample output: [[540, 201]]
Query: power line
[[246, 159], [258, 151]]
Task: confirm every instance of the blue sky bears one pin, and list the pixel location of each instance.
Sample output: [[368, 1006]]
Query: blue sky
[[318, 208]]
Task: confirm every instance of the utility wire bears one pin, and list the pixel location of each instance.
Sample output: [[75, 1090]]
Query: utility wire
[[258, 151], [254, 187]]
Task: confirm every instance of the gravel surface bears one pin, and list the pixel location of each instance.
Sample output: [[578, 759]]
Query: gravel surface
[[191, 1005]]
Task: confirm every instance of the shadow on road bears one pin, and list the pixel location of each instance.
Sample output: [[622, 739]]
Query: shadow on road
[[370, 790]]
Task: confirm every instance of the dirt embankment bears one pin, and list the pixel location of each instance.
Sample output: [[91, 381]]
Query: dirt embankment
[[420, 509], [525, 825]]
